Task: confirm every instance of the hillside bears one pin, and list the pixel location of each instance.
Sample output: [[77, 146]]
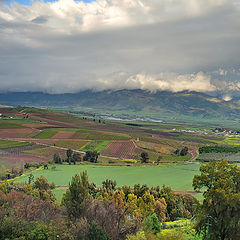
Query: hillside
[[183, 106]]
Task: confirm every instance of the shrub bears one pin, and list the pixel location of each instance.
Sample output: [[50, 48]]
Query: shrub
[[140, 236], [33, 164], [152, 224], [172, 234], [95, 232]]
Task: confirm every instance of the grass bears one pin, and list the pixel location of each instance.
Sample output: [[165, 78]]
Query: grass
[[186, 233], [176, 158], [95, 145], [47, 133], [4, 144], [177, 176]]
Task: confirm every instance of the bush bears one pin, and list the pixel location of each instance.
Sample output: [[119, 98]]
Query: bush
[[33, 164], [140, 236], [172, 234], [95, 232], [152, 224]]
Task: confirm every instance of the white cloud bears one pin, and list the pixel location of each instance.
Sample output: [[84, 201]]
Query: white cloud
[[68, 46], [163, 82], [227, 98]]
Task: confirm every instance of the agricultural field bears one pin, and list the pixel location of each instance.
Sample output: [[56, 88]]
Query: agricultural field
[[94, 145], [46, 152], [115, 141], [177, 176], [47, 133], [6, 144], [120, 149], [94, 135], [70, 143], [231, 157]]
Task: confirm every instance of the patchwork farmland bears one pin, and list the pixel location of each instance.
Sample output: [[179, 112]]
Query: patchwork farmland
[[46, 133]]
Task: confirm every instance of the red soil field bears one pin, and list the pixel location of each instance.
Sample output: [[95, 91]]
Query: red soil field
[[38, 125], [117, 128], [63, 135], [110, 133], [52, 122], [17, 133], [24, 158], [35, 140], [77, 135], [120, 149]]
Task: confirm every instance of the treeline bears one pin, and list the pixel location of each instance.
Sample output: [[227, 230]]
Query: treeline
[[219, 149], [20, 169], [29, 211], [74, 157]]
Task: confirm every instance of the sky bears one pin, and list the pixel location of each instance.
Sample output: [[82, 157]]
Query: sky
[[29, 2], [69, 46]]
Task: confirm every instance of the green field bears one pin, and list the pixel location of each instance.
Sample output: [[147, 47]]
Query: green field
[[47, 133], [177, 176], [176, 158], [4, 144], [95, 145]]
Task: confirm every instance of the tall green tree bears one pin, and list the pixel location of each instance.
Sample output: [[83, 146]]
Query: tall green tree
[[218, 217], [76, 195]]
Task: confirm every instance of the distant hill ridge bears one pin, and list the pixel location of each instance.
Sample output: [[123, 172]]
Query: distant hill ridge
[[181, 104]]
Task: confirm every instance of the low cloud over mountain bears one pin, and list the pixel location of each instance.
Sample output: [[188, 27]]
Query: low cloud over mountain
[[68, 46]]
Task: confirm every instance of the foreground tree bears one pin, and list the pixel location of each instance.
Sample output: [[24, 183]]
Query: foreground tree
[[109, 185], [76, 195], [218, 216], [44, 189], [95, 232]]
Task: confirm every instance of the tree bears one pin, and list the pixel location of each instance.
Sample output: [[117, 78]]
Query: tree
[[91, 156], [44, 189], [57, 159], [76, 195], [144, 157], [218, 216], [95, 232], [76, 157], [159, 159], [177, 151], [30, 178], [109, 185], [69, 155], [184, 151]]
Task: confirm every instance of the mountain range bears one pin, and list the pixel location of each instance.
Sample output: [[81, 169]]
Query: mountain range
[[181, 106]]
